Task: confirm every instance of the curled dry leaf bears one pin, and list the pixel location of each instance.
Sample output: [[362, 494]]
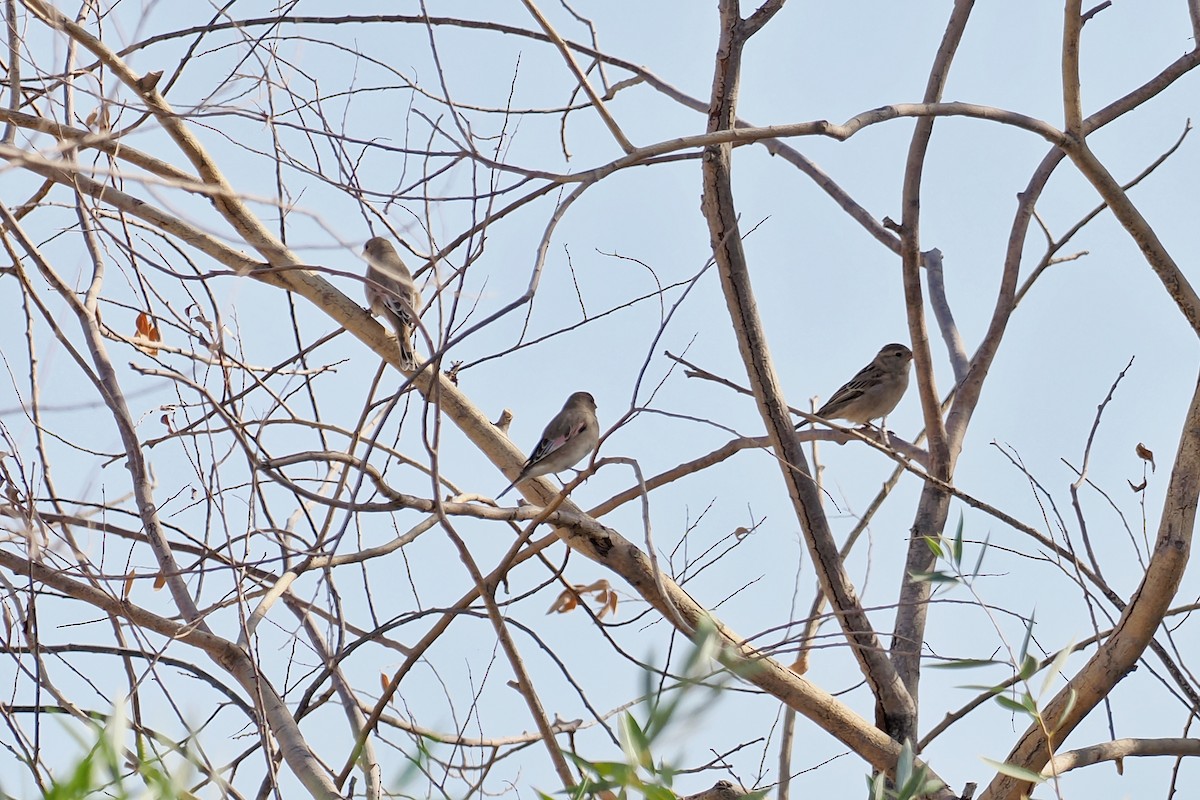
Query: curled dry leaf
[[128, 586], [566, 601], [1146, 454], [98, 119], [146, 329], [160, 580], [569, 599], [1137, 488]]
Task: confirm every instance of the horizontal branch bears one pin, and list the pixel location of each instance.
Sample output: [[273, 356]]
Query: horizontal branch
[[1118, 749]]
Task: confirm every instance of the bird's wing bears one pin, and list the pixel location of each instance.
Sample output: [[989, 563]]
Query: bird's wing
[[552, 442], [399, 307], [854, 389]]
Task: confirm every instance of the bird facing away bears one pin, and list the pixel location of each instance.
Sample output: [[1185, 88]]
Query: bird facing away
[[392, 295], [571, 435], [874, 391]]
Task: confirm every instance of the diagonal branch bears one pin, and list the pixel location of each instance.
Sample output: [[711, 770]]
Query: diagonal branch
[[1133, 633], [597, 101]]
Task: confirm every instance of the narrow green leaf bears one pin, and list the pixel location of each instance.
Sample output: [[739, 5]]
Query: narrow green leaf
[[911, 786], [989, 689], [652, 792], [935, 546], [932, 577], [1072, 696], [964, 663], [930, 786], [615, 771], [635, 743], [1013, 771], [982, 550], [1028, 635], [904, 763], [585, 766], [1029, 668], [958, 542], [1056, 667], [1012, 705]]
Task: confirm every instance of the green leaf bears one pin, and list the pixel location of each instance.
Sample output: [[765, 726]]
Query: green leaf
[[1012, 705], [965, 663], [708, 645], [1013, 771], [982, 550], [909, 788], [1029, 668], [1028, 635], [635, 743], [930, 786], [1072, 696], [652, 792], [585, 766], [904, 763], [932, 577], [1056, 667], [958, 542], [934, 545], [619, 773], [989, 689]]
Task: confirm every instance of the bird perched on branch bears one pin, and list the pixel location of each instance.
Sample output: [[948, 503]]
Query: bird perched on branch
[[392, 295], [874, 391], [571, 435]]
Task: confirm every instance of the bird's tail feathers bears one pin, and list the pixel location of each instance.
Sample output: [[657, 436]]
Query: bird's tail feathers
[[408, 356], [508, 488]]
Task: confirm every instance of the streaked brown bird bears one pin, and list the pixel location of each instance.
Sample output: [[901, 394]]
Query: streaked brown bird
[[874, 391], [392, 295]]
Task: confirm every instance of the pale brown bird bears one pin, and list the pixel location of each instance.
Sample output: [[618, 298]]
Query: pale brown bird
[[874, 391], [392, 295], [571, 435]]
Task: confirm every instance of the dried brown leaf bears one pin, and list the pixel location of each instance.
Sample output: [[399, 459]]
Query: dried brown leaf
[[146, 329], [566, 601], [1146, 454]]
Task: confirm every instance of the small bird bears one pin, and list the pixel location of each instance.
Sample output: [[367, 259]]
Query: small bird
[[874, 391], [392, 295], [571, 435]]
